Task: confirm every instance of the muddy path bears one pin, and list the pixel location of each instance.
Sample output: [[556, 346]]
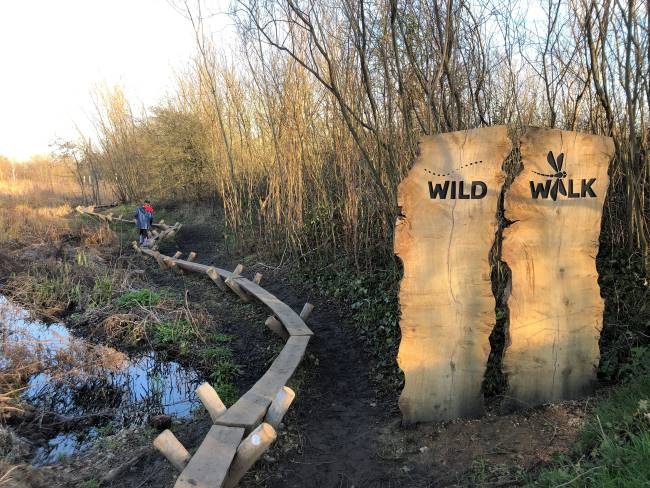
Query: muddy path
[[334, 426], [339, 414], [343, 432]]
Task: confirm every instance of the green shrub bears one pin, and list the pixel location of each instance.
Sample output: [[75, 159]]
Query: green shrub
[[372, 296]]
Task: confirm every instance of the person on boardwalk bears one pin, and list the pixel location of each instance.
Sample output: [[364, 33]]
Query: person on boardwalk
[[143, 221]]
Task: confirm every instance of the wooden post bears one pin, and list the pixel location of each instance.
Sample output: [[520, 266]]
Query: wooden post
[[276, 326], [211, 401], [214, 276], [258, 278], [172, 449], [232, 284], [159, 260], [248, 452], [191, 256], [279, 406], [306, 311], [169, 263]]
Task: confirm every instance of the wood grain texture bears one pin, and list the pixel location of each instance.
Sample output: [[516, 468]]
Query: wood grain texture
[[447, 306], [555, 306], [209, 466], [251, 407]]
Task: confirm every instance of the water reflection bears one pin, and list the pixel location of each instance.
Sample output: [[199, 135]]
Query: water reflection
[[76, 378]]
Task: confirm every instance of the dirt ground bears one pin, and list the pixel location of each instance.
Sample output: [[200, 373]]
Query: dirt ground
[[340, 432]]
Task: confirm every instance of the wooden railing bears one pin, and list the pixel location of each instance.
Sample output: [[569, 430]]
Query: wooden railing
[[240, 434]]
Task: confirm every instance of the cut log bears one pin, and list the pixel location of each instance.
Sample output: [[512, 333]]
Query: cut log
[[169, 262], [234, 286], [191, 256], [251, 407], [214, 276], [279, 406], [249, 451], [276, 326], [211, 401], [177, 255], [556, 310], [172, 449], [208, 467], [158, 257], [307, 308], [443, 236], [258, 278]]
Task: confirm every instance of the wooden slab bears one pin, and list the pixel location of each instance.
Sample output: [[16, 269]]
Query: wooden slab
[[209, 465], [555, 307], [290, 319], [251, 407], [443, 238]]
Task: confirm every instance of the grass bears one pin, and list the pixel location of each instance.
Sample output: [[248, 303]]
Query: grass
[[182, 337], [218, 337], [102, 292], [176, 335], [227, 392], [143, 297], [614, 446], [214, 354]]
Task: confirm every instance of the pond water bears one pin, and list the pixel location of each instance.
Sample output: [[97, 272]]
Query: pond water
[[76, 379]]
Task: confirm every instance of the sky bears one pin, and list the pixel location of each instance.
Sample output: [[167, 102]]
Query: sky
[[53, 54]]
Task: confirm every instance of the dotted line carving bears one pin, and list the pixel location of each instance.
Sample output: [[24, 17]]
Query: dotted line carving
[[453, 170]]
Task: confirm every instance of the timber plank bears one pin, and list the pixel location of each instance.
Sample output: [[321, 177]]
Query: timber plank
[[443, 237], [251, 407], [290, 319], [556, 312], [209, 465]]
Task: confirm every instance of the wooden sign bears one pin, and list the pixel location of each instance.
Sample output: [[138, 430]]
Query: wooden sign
[[555, 306], [443, 237]]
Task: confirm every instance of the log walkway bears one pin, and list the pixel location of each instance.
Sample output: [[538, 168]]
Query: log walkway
[[243, 432]]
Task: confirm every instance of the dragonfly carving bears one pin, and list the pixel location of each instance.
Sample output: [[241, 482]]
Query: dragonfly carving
[[559, 175]]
